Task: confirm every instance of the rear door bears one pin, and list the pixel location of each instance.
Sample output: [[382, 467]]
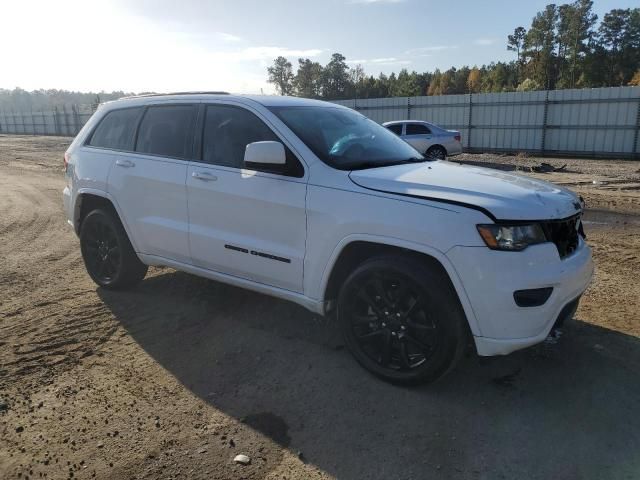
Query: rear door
[[246, 222], [419, 136], [113, 134], [149, 183]]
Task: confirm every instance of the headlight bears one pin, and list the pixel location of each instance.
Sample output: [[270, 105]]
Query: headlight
[[511, 237]]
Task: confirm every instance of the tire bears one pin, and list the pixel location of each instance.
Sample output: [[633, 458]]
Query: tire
[[402, 320], [107, 252], [437, 152]]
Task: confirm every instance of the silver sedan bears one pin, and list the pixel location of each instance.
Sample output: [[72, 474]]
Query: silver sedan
[[427, 138]]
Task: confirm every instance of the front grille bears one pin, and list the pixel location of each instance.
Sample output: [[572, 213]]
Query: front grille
[[563, 233]]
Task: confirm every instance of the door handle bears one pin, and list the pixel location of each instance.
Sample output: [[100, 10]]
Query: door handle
[[207, 177], [125, 163]]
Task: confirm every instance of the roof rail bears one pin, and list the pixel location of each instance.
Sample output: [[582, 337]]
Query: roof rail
[[176, 93]]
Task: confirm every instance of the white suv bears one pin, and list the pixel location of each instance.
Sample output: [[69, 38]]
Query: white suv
[[314, 203]]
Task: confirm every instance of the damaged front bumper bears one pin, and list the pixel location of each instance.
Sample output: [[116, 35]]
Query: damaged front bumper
[[490, 279]]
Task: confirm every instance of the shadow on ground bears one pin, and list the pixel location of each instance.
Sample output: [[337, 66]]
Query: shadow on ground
[[566, 410]]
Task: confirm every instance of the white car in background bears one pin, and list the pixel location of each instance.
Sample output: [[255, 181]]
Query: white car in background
[[429, 139], [314, 203]]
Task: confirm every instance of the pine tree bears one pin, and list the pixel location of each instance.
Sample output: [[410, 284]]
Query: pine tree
[[515, 43], [281, 75], [308, 79]]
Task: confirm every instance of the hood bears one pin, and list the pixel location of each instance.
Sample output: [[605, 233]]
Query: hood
[[500, 195]]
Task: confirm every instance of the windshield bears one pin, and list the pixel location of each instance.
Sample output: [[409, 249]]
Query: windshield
[[345, 139]]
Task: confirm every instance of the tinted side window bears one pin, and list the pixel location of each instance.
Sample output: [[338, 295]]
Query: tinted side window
[[397, 128], [227, 132], [167, 130], [116, 129], [417, 129]]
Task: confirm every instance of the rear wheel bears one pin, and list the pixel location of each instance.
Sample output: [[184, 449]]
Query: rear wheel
[[401, 320], [437, 152], [107, 253]]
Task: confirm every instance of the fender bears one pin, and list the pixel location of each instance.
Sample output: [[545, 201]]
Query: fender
[[107, 196], [415, 247]]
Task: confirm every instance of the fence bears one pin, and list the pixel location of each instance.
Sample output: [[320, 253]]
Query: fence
[[599, 122], [64, 121]]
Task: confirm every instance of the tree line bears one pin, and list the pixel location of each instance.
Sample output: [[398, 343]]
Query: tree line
[[564, 47], [37, 100]]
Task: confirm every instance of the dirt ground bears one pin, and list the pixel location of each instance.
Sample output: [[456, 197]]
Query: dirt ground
[[175, 378]]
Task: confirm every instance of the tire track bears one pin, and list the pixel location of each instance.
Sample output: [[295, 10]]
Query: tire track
[[50, 315]]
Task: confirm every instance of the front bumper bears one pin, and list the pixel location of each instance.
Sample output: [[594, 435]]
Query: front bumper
[[490, 277]]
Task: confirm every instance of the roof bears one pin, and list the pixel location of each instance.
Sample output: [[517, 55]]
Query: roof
[[266, 100], [284, 101], [174, 93], [396, 122]]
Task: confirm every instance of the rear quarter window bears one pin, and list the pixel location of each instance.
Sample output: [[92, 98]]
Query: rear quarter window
[[116, 129], [396, 128]]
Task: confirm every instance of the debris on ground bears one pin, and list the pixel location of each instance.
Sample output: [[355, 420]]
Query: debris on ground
[[242, 459], [547, 167], [553, 336]]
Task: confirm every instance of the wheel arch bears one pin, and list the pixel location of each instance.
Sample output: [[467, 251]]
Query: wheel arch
[[353, 250], [89, 199]]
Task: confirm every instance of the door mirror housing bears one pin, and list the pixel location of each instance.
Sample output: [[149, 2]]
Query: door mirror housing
[[265, 153]]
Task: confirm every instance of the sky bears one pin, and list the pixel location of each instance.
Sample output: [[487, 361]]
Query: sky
[[181, 45]]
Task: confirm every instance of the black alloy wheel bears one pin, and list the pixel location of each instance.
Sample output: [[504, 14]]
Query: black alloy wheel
[[390, 323], [103, 255], [437, 152], [107, 252], [401, 320]]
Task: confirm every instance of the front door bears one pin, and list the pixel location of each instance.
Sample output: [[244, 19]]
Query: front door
[[243, 221]]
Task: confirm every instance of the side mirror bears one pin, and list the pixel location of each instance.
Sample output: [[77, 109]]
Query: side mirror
[[265, 153]]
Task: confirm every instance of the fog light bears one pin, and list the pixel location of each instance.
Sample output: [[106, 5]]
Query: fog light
[[533, 297]]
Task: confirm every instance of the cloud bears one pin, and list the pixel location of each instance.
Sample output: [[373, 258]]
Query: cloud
[[261, 56], [380, 61], [228, 37], [485, 41], [163, 53], [269, 53], [427, 51]]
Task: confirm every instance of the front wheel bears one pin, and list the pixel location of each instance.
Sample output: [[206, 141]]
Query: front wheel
[[402, 320], [437, 152], [107, 253]]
